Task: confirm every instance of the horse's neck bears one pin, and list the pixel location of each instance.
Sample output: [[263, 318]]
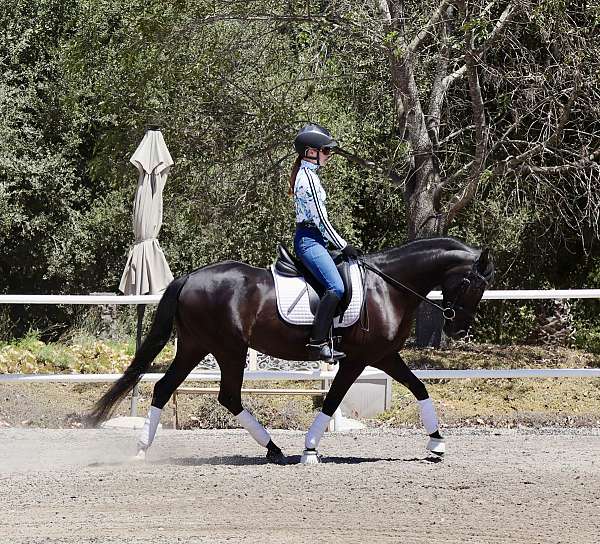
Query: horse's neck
[[423, 270]]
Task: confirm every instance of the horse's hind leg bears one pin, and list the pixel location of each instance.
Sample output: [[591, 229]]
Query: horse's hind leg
[[185, 361], [396, 368], [230, 396]]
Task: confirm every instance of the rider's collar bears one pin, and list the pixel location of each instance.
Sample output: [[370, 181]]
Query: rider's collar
[[309, 165]]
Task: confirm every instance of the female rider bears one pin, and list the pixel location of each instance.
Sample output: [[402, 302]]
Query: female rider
[[314, 145]]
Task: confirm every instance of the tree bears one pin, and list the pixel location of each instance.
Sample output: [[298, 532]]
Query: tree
[[464, 114]]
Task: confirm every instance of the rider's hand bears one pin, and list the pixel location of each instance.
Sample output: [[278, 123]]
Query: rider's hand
[[351, 252]]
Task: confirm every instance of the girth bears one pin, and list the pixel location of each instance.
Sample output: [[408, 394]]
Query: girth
[[290, 266]]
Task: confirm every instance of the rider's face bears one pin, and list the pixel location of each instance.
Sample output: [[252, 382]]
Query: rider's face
[[323, 155]]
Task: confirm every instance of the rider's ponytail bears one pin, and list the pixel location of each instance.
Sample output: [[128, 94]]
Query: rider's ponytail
[[294, 173]]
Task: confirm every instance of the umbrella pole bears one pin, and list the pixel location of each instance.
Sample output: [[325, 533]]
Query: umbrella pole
[[141, 308]]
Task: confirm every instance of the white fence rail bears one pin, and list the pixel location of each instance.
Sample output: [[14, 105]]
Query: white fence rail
[[300, 375], [316, 375], [515, 294]]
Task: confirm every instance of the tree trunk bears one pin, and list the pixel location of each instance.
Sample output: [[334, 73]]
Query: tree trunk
[[428, 329], [425, 220]]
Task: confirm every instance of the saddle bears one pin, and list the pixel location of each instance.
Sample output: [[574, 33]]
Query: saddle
[[290, 266]]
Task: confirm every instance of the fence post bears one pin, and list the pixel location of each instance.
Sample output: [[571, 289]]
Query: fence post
[[141, 308], [252, 360], [334, 422]]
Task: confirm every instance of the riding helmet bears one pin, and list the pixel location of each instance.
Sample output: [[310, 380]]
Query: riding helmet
[[313, 135]]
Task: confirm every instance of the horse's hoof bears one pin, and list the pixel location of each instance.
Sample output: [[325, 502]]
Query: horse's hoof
[[140, 456], [310, 457], [276, 458], [437, 446]]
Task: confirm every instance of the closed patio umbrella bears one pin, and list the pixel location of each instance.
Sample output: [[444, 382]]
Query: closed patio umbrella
[[147, 271]]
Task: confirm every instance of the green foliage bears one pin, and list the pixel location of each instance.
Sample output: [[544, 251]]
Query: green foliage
[[588, 337], [86, 356], [80, 79]]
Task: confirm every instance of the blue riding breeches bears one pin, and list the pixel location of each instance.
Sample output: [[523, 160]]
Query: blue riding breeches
[[311, 249]]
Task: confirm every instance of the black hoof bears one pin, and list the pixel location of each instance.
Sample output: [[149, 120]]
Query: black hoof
[[276, 458]]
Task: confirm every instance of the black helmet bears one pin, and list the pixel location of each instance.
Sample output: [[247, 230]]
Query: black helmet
[[315, 136]]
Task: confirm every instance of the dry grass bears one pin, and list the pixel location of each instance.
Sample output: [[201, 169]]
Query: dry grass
[[465, 356], [549, 401], [534, 401]]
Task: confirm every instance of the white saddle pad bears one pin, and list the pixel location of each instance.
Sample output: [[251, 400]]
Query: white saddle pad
[[293, 304]]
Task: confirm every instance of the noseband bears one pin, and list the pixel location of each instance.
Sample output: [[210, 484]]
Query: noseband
[[473, 280]]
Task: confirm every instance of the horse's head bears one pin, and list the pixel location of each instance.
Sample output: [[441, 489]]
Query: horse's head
[[462, 290]]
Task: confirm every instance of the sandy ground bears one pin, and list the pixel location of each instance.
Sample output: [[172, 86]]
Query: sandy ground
[[509, 485]]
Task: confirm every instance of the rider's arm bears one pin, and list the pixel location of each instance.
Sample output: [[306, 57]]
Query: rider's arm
[[313, 209]]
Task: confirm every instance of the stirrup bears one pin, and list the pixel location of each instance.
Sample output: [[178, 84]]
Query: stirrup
[[325, 352]]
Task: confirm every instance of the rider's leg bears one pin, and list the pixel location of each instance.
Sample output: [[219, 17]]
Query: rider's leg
[[316, 258], [319, 334]]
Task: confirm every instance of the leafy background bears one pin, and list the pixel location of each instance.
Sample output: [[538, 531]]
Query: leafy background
[[80, 80]]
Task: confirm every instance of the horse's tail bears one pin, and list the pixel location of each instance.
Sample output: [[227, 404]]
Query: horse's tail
[[152, 345]]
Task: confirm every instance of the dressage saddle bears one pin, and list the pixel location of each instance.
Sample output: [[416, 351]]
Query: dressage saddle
[[290, 266]]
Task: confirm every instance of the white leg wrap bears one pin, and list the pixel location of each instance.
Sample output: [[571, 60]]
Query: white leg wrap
[[428, 415], [150, 426], [251, 424], [314, 434]]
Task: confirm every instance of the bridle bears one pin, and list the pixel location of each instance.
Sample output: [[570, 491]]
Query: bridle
[[472, 279]]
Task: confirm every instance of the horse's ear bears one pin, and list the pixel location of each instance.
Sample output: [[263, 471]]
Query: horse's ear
[[483, 261]]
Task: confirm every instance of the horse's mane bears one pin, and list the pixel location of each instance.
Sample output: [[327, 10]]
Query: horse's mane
[[435, 247], [446, 243]]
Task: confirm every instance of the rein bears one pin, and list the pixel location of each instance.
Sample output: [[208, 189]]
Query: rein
[[448, 313]]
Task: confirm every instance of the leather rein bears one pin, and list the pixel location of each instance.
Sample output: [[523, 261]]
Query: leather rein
[[449, 312]]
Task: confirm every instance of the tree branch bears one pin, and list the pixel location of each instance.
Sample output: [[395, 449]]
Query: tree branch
[[370, 165], [512, 163], [583, 163], [426, 29], [564, 116], [262, 17], [386, 14], [454, 134], [438, 90], [406, 92], [501, 25], [458, 203]]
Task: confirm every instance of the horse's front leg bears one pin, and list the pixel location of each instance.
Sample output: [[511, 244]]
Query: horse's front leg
[[345, 377], [396, 368]]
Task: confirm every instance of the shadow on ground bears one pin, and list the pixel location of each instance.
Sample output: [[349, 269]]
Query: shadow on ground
[[239, 460]]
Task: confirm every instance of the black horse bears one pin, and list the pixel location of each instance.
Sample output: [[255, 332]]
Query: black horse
[[227, 307]]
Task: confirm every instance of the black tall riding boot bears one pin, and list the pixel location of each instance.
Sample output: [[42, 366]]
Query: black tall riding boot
[[319, 344]]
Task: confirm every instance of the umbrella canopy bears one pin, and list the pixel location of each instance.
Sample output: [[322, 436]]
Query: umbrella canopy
[[147, 271]]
